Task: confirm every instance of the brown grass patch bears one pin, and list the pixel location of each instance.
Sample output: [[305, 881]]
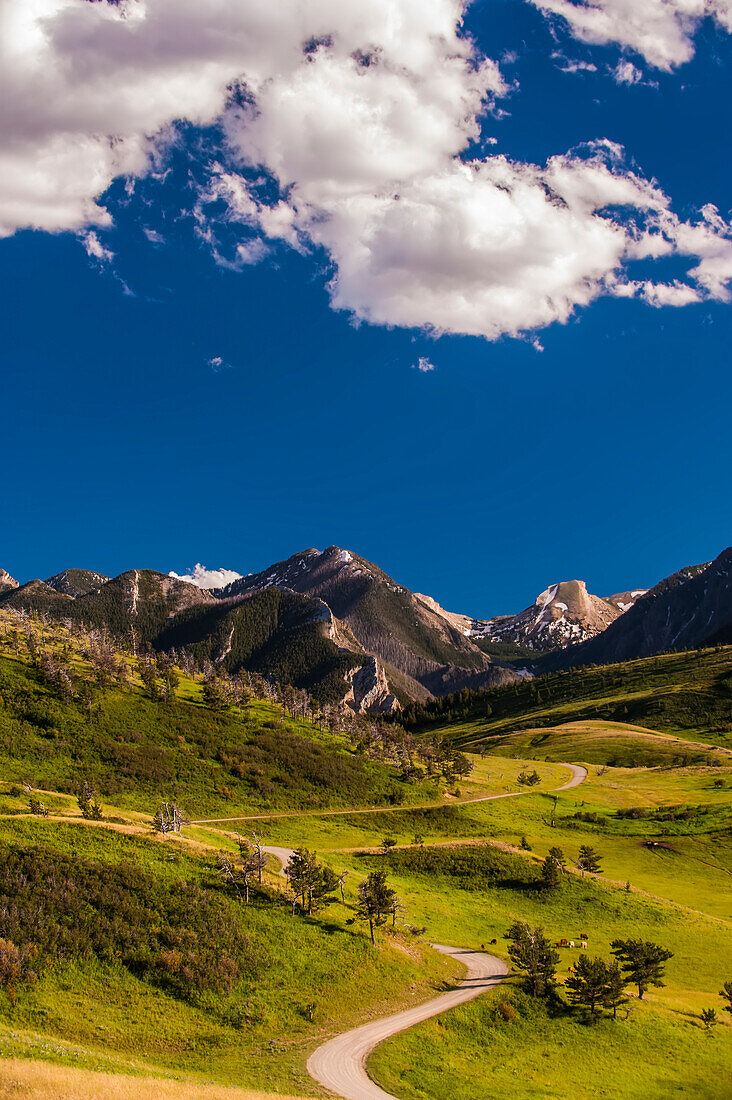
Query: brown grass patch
[[21, 1079]]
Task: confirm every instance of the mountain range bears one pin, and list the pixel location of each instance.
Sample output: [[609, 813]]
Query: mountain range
[[339, 626]]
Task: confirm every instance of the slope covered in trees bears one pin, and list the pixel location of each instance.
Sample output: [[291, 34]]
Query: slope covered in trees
[[687, 692], [72, 708]]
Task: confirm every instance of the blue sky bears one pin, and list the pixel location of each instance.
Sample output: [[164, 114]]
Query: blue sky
[[167, 403]]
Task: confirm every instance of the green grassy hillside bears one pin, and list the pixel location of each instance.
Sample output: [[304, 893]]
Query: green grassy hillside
[[665, 833], [134, 955], [138, 751], [688, 693], [141, 960], [614, 743]]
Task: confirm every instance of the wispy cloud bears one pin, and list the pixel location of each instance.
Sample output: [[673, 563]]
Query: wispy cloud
[[217, 364], [95, 250], [103, 258], [423, 365]]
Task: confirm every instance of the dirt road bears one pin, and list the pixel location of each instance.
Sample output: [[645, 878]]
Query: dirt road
[[340, 1063], [579, 774]]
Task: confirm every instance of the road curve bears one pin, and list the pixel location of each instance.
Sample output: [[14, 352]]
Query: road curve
[[282, 854], [579, 774], [340, 1064]]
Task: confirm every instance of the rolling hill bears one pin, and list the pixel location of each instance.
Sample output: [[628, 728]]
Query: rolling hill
[[689, 694]]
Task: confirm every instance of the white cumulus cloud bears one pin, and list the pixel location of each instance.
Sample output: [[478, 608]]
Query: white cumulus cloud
[[424, 365], [362, 115], [207, 578]]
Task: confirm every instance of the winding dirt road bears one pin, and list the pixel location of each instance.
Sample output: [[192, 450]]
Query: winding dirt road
[[579, 774], [340, 1064]]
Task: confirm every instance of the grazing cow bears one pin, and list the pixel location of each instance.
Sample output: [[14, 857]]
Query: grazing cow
[[494, 941], [584, 936], [571, 943]]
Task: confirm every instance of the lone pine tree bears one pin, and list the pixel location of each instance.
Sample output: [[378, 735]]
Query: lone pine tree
[[642, 962], [531, 952], [376, 900]]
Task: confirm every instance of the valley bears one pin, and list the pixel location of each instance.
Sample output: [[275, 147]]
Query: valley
[[460, 812]]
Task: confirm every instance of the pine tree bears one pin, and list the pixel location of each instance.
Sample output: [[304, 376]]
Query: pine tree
[[87, 802], [531, 952], [587, 986], [643, 962], [550, 873], [376, 900], [589, 860], [614, 995]]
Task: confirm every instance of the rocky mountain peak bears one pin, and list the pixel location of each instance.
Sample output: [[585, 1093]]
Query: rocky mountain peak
[[563, 614], [692, 607], [7, 583]]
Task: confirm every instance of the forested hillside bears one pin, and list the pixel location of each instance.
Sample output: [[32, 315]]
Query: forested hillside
[[679, 691]]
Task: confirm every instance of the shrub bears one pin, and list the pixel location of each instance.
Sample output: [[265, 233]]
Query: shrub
[[185, 938]]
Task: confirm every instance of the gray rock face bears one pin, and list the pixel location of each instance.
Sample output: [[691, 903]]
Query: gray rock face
[[7, 583], [370, 692]]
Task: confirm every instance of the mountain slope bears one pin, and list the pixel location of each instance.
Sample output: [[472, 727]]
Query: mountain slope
[[36, 595], [139, 599], [77, 582], [690, 608], [689, 691], [421, 650], [294, 638]]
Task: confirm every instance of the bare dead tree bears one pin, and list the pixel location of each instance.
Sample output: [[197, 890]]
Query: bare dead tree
[[169, 818], [227, 871], [257, 842]]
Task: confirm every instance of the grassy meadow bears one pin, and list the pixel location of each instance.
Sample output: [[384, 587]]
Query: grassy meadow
[[144, 972]]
